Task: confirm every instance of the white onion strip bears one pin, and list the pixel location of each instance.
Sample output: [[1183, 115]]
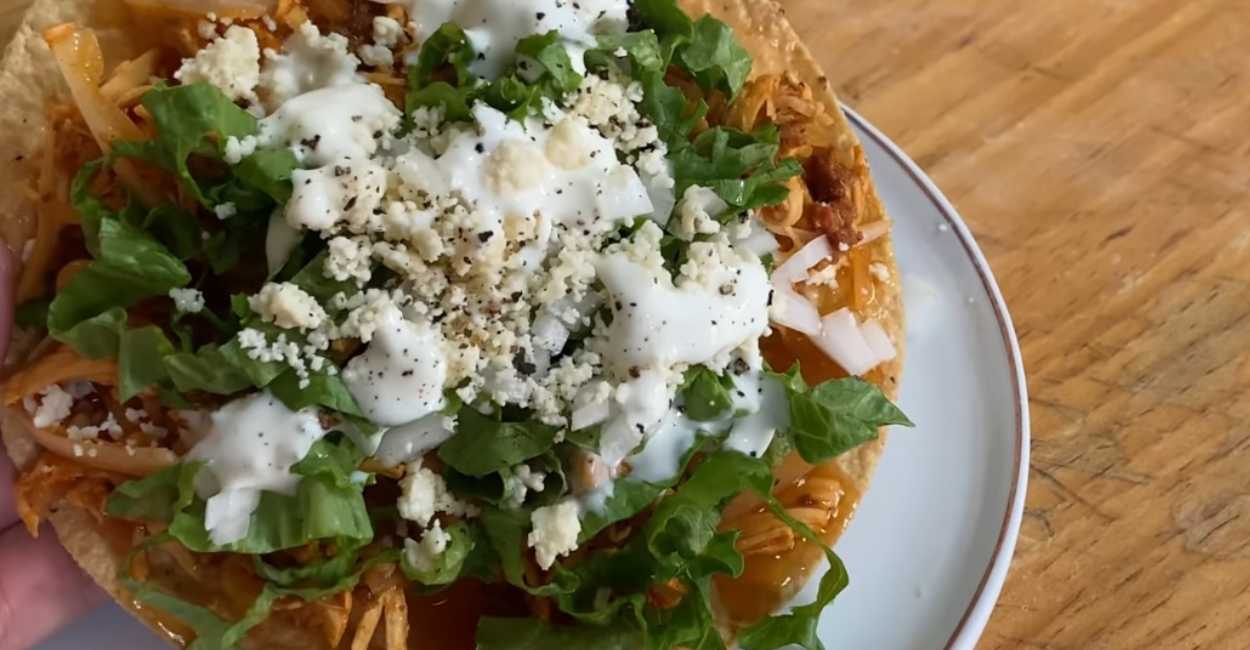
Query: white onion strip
[[873, 231], [792, 310], [841, 339], [878, 341], [796, 266]]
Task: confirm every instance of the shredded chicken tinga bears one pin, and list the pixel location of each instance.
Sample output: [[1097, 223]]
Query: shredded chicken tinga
[[505, 506]]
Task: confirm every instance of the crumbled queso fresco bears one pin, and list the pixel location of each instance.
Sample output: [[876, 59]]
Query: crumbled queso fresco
[[493, 261]]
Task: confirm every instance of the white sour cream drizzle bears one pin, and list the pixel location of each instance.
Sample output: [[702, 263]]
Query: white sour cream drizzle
[[329, 124], [764, 410], [495, 26], [659, 324], [408, 442], [565, 174], [250, 446], [759, 410], [400, 375]]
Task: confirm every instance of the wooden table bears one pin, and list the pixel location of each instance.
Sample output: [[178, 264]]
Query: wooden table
[[1100, 150]]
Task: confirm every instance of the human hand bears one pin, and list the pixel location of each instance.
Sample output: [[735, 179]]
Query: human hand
[[41, 588]]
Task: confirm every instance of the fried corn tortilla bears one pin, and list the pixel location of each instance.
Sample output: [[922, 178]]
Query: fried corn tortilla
[[32, 83]]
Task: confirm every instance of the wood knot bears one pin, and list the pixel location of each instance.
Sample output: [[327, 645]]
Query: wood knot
[[1217, 526]]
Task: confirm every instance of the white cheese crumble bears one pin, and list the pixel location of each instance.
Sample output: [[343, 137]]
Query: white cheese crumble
[[424, 494], [225, 210], [378, 56], [287, 306], [387, 31], [826, 276], [555, 532], [349, 258], [54, 405], [424, 554], [309, 61], [520, 482], [697, 212], [231, 63], [187, 301]]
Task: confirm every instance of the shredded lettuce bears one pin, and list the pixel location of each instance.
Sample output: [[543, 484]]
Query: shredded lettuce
[[129, 265], [441, 76], [738, 166], [190, 119], [323, 506], [484, 444], [705, 395], [836, 416], [140, 360], [449, 563]]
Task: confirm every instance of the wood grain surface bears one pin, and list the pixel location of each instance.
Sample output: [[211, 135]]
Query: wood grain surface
[[1100, 151]]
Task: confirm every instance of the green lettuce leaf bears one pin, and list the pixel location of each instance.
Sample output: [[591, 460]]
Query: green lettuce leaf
[[799, 625], [663, 16], [157, 497], [483, 444], [547, 52], [836, 416], [268, 171], [209, 369], [715, 58], [738, 166], [211, 631], [506, 531], [191, 119], [684, 524], [445, 55], [322, 390], [130, 265], [705, 395], [323, 506], [316, 283], [140, 355]]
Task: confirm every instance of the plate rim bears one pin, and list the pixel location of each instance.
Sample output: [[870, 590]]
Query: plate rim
[[977, 613]]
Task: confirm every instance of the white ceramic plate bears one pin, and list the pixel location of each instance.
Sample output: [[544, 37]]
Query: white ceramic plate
[[929, 548]]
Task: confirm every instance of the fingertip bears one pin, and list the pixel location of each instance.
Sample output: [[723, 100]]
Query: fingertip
[[41, 588]]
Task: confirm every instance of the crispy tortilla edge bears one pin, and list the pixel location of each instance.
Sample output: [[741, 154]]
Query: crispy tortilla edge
[[763, 29]]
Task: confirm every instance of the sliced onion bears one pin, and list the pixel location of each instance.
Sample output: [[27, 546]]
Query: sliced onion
[[796, 266], [794, 311], [878, 341], [77, 54], [589, 415], [874, 231], [841, 339], [408, 442], [280, 240]]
